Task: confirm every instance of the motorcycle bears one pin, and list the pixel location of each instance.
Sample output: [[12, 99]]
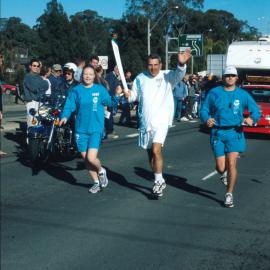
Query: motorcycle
[[45, 137]]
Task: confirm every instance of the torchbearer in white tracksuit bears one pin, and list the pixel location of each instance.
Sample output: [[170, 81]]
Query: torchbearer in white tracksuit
[[153, 89]]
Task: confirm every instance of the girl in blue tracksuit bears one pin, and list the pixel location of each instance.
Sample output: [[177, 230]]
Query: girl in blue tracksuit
[[88, 101], [222, 111]]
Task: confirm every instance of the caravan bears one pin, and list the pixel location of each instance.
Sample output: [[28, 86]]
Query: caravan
[[252, 60]]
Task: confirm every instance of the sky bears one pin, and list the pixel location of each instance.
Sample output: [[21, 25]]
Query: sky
[[256, 12]]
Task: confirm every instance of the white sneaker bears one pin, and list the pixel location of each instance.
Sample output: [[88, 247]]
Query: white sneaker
[[224, 178], [228, 200], [95, 188], [103, 179], [184, 119], [158, 188]]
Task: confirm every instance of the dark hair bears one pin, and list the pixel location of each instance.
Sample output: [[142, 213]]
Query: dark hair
[[99, 68], [154, 56], [94, 57], [34, 60], [44, 70], [96, 80], [79, 60]]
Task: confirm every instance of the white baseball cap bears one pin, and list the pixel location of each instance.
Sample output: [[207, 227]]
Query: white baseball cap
[[230, 70]]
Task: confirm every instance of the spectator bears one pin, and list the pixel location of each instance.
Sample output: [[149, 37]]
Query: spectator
[[34, 87], [129, 79], [180, 92], [125, 118], [55, 77], [45, 72], [192, 87], [80, 65], [94, 61], [101, 79], [113, 80]]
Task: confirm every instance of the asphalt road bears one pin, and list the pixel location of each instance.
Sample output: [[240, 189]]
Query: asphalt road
[[50, 221]]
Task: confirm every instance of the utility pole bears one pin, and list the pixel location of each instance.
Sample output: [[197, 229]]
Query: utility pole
[[150, 29]]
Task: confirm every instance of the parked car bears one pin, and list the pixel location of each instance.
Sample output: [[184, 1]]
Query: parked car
[[8, 88], [261, 94]]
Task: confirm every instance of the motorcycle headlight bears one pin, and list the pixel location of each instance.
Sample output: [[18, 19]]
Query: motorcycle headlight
[[43, 110]]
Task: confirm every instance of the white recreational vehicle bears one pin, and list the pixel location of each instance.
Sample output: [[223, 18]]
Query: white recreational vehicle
[[251, 58]]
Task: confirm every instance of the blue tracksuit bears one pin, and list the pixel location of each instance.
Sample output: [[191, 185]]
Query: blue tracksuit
[[89, 104], [227, 108]]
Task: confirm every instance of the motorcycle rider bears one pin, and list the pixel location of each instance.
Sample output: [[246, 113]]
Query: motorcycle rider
[[68, 81]]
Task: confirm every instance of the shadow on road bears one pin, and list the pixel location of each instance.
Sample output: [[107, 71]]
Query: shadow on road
[[254, 136], [180, 183], [19, 139], [121, 180], [61, 172]]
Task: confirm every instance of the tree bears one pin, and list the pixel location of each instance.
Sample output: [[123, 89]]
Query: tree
[[54, 31], [90, 33]]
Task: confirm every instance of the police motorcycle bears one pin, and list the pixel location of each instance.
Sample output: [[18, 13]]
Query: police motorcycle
[[45, 137]]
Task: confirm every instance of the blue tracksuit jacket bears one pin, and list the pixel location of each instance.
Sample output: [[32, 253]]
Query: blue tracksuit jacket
[[89, 104], [227, 107]]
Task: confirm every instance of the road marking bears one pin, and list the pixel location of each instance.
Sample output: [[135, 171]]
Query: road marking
[[193, 121], [132, 135], [209, 175]]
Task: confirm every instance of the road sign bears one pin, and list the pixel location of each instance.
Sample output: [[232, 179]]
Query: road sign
[[103, 61], [194, 42]]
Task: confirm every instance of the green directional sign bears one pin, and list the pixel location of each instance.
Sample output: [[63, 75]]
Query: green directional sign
[[192, 41]]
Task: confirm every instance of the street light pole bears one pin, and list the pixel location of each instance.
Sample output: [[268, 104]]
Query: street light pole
[[150, 29], [148, 37], [166, 51]]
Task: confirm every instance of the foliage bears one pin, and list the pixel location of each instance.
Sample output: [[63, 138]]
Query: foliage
[[56, 38]]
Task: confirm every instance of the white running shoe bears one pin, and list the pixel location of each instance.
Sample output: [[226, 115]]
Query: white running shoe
[[95, 188], [184, 119], [228, 200], [102, 176], [158, 188], [224, 178]]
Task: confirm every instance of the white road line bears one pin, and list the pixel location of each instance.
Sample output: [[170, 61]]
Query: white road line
[[132, 135], [209, 175]]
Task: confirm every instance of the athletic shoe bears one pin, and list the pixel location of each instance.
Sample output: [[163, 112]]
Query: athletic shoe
[[228, 200], [102, 176], [184, 118], [95, 188], [158, 188], [224, 179]]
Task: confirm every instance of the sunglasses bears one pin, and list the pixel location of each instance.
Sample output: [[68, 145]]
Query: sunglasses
[[35, 65], [230, 75]]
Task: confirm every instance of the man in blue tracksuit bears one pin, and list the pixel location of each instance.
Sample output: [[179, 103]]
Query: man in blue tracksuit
[[222, 111], [88, 100]]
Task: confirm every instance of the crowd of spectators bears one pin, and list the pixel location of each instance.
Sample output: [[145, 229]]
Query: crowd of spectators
[[188, 94]]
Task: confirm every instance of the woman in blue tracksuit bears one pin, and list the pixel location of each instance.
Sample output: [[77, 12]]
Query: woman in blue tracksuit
[[222, 111], [88, 101]]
